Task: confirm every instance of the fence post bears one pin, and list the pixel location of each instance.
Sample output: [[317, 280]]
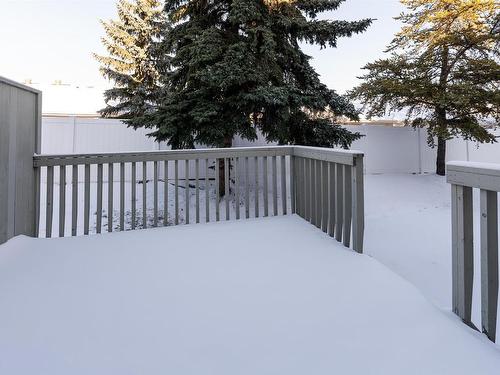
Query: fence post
[[358, 204]]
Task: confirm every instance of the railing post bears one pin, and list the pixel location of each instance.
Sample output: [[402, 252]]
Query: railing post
[[358, 204], [462, 250]]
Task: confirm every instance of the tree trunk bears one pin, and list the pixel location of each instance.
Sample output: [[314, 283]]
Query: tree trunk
[[228, 143], [441, 114], [441, 157]]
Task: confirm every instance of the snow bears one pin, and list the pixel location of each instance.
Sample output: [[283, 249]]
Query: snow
[[408, 229], [260, 296], [408, 222]]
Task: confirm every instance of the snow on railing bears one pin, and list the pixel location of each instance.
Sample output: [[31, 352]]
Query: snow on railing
[[463, 177], [324, 186]]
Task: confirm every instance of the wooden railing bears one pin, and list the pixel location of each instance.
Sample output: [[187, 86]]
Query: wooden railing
[[323, 186], [329, 192], [463, 177]]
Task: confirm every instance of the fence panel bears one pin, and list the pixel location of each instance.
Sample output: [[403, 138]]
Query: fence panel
[[20, 127]]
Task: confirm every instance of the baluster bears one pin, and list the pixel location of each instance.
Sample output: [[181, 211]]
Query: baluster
[[247, 190], [318, 183], [347, 205], [176, 190], [226, 185], [197, 188], [339, 190], [207, 192], [144, 194], [74, 202], [313, 191], [489, 262], [301, 191], [331, 199], [256, 162], [155, 193], [133, 186], [324, 196], [299, 186], [165, 193], [186, 186], [122, 196], [237, 186], [462, 245], [49, 206], [62, 200], [283, 184], [99, 198], [266, 192], [294, 170], [217, 189], [86, 200], [110, 197], [307, 189], [275, 185]]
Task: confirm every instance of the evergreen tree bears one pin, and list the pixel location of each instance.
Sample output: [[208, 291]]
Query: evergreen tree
[[236, 66], [131, 64], [443, 71]]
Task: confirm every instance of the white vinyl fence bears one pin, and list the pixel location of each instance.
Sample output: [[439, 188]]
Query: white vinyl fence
[[388, 149]]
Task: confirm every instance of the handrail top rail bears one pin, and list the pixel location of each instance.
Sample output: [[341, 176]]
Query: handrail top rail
[[492, 169], [474, 174], [327, 149], [347, 157], [335, 155]]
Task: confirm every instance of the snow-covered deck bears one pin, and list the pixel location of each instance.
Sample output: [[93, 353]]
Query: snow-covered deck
[[263, 296]]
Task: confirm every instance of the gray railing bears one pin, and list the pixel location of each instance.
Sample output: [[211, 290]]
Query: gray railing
[[463, 177], [329, 192], [323, 186]]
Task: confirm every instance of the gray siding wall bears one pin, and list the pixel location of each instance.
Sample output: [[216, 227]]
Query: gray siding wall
[[20, 121]]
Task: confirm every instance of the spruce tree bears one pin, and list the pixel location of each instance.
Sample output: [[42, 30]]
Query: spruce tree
[[443, 70], [131, 64], [233, 67]]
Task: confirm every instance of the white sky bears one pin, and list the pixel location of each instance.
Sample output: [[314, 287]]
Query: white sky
[[48, 40]]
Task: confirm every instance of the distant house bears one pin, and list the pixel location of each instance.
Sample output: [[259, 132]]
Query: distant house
[[64, 98]]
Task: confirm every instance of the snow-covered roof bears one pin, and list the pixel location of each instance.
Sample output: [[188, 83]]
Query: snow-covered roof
[[61, 98]]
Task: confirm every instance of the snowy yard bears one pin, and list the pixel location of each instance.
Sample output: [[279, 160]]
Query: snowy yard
[[185, 300], [270, 295], [408, 228]]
